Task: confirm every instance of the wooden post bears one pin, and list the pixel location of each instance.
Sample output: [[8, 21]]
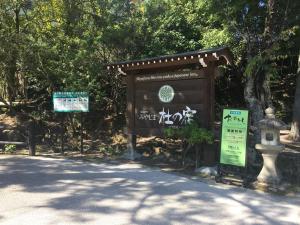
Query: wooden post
[[131, 145], [131, 137], [62, 132], [81, 134], [197, 156], [31, 138], [210, 100]]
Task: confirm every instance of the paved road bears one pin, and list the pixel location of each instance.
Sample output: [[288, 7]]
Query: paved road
[[43, 191]]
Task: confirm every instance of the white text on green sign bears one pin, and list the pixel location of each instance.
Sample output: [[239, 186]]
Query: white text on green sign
[[70, 101]]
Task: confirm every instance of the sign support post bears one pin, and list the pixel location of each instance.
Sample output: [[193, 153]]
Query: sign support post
[[81, 134], [66, 102], [62, 134]]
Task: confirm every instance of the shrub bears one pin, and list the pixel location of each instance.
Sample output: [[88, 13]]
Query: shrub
[[191, 133], [10, 148]]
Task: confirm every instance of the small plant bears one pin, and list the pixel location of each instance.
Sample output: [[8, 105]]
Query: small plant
[[109, 150], [10, 148], [192, 134], [119, 139]]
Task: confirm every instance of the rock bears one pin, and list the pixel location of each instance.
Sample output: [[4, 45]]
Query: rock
[[289, 166], [159, 157], [11, 135], [131, 155], [275, 188], [157, 150], [167, 154], [146, 154], [207, 171]]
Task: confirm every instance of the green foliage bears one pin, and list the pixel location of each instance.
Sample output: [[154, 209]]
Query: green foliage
[[260, 64], [63, 45], [110, 150], [191, 133], [10, 148], [216, 37]]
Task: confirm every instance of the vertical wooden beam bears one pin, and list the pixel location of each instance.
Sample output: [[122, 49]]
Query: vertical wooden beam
[[31, 137], [211, 83], [62, 132], [81, 133], [212, 94], [210, 101], [130, 118], [209, 72]]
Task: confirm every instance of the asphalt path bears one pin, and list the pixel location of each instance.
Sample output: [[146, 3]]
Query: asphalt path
[[44, 191]]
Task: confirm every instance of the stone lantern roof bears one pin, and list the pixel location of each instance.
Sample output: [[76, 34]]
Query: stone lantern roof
[[270, 122]]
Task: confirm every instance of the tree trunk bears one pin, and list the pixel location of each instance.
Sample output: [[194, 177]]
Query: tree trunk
[[270, 32], [4, 102], [295, 134], [267, 96], [255, 106], [11, 73], [270, 23], [31, 137], [257, 90]]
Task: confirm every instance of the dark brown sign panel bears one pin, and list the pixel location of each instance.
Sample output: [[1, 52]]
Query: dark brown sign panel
[[170, 90], [170, 100]]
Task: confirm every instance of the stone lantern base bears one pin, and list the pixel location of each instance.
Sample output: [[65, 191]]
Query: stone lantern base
[[269, 173]]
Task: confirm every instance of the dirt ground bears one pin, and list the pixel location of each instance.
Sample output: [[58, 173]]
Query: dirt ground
[[109, 147]]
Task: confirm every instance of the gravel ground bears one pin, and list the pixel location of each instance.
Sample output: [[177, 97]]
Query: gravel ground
[[45, 191]]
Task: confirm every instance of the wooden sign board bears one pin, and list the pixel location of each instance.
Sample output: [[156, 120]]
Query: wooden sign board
[[171, 99], [170, 90]]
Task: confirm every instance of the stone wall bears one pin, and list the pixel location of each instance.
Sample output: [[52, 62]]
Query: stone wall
[[288, 163]]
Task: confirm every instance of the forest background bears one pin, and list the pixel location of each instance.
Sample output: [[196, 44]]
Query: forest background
[[64, 45]]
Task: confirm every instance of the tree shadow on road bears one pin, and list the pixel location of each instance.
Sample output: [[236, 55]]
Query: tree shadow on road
[[133, 194]]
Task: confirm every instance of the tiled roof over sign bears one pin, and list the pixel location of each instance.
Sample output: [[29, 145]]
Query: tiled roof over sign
[[200, 56]]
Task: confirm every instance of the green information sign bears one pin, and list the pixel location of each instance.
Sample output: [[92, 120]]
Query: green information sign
[[234, 137], [70, 102]]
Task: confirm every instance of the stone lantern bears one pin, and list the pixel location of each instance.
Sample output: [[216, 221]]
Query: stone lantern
[[270, 147]]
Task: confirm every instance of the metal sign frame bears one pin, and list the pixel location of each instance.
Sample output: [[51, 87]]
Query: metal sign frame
[[246, 139], [226, 169], [73, 98]]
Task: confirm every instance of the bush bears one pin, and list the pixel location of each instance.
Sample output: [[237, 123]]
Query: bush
[[110, 150], [191, 133], [9, 148]]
